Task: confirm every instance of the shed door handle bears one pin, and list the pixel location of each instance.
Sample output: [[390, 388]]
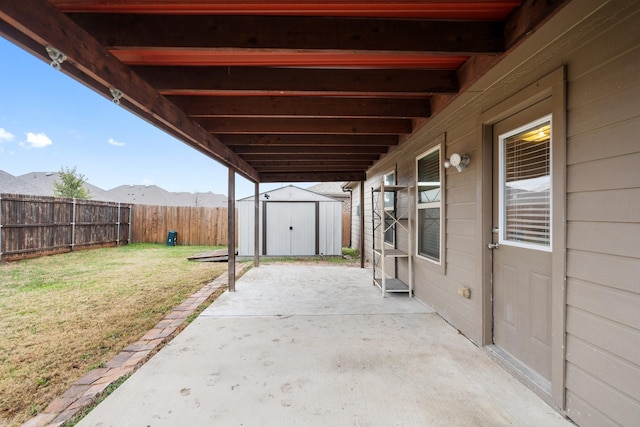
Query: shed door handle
[[290, 228]]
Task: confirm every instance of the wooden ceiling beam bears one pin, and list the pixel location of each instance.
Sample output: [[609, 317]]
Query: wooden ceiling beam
[[292, 33], [291, 106], [319, 140], [424, 9], [41, 22], [242, 125], [309, 149], [305, 165], [529, 17], [313, 176], [309, 157], [288, 81], [305, 168]]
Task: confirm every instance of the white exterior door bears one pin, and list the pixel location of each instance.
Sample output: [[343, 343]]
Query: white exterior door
[[522, 186], [290, 228]]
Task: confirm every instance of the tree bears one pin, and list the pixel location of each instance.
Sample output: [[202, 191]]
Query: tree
[[72, 184]]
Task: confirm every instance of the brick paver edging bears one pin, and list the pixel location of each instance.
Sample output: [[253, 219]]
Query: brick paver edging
[[87, 389]]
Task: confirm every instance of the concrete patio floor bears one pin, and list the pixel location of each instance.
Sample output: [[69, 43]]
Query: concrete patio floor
[[318, 346]]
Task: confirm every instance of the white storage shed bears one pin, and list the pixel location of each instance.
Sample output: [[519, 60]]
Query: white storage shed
[[293, 222]]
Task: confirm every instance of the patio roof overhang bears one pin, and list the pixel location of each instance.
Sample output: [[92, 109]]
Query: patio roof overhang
[[280, 90]]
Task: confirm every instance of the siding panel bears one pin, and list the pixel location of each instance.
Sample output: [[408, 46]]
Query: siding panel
[[617, 139], [604, 112], [608, 270], [605, 237], [609, 303], [618, 406], [606, 174], [614, 337], [584, 414], [604, 366], [607, 206]]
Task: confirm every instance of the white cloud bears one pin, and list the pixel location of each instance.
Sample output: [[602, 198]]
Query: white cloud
[[5, 135], [36, 140], [115, 143]]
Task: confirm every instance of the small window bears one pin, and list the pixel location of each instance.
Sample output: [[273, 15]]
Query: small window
[[525, 186], [429, 229], [389, 210]]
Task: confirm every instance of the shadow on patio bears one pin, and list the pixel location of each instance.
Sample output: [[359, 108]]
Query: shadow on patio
[[317, 345]]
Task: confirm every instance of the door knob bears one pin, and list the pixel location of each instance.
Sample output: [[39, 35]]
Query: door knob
[[493, 245]]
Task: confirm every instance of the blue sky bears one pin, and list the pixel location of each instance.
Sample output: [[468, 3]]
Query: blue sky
[[49, 121]]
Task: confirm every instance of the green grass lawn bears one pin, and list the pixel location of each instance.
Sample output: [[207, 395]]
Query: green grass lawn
[[63, 315]]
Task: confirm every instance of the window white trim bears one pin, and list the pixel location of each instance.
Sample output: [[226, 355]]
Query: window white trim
[[502, 235], [430, 205]]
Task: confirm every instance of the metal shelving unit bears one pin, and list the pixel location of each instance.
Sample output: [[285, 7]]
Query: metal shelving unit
[[385, 253]]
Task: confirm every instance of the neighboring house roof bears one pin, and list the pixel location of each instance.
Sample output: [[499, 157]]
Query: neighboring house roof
[[142, 194], [14, 185], [41, 184], [154, 195], [44, 181], [331, 189]]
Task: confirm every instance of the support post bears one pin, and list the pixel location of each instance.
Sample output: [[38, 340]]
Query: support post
[[256, 225], [361, 224], [118, 227], [231, 244], [73, 226]]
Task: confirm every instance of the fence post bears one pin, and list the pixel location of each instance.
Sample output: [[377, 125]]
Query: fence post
[[130, 218], [73, 226], [0, 227], [118, 227]]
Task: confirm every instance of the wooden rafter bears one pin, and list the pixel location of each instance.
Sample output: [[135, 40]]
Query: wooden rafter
[[325, 126], [426, 9], [46, 26], [316, 140], [293, 106], [351, 35], [281, 90], [283, 81]]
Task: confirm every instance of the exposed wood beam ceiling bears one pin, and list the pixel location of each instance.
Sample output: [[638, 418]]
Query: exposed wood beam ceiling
[[279, 90]]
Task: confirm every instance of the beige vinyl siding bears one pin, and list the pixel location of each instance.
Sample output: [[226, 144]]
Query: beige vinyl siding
[[603, 229], [437, 285], [601, 55]]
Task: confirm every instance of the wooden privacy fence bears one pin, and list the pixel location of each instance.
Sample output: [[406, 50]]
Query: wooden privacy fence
[[203, 226], [346, 229], [37, 225], [32, 226]]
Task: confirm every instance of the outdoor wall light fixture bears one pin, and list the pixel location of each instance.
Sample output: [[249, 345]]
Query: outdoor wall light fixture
[[457, 161], [56, 56]]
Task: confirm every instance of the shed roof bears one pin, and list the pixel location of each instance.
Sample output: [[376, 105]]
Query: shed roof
[[291, 193]]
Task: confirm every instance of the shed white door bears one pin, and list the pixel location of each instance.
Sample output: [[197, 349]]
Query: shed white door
[[522, 225], [290, 228]]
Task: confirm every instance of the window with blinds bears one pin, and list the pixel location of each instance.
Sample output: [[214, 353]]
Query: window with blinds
[[526, 186], [428, 199]]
